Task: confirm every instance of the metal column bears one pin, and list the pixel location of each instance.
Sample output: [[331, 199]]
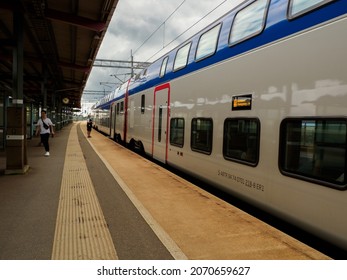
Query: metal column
[[16, 152]]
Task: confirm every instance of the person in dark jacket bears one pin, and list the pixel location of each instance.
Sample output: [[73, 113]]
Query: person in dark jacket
[[89, 126]]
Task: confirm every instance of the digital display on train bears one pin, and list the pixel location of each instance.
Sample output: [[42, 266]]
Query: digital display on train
[[241, 102]]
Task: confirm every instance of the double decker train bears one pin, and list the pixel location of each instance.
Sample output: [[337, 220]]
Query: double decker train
[[254, 104]]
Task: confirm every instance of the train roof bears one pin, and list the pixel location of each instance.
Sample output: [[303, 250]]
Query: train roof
[[277, 20]]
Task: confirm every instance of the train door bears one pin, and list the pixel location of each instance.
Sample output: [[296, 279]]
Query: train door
[[113, 120], [161, 113], [119, 123]]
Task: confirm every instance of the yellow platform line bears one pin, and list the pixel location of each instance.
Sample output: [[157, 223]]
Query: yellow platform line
[[81, 231]]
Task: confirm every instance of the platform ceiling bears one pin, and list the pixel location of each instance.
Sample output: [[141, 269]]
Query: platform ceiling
[[61, 41]]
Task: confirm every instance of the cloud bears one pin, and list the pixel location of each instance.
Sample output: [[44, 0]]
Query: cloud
[[134, 22]]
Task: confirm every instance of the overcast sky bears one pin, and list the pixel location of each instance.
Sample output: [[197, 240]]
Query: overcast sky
[[134, 21]]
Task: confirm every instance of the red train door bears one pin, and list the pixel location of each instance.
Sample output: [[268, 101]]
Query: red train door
[[160, 115]]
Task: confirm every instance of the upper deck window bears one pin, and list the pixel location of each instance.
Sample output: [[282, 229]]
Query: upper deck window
[[299, 7], [163, 67], [208, 43], [181, 59], [248, 22]]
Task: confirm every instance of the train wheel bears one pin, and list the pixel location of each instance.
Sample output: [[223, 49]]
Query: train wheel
[[118, 139], [132, 145], [141, 148]]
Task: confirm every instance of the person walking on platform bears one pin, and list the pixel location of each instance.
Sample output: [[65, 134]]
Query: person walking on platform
[[44, 127], [89, 126]]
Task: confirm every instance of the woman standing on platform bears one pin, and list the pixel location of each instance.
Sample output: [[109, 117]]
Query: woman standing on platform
[[44, 126]]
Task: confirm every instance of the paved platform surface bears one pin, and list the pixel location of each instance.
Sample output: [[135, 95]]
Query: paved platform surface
[[94, 199]]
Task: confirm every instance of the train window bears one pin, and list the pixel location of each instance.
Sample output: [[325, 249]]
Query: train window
[[181, 59], [314, 150], [298, 7], [208, 43], [117, 110], [177, 132], [122, 107], [241, 140], [160, 123], [143, 103], [201, 135], [248, 22], [163, 67]]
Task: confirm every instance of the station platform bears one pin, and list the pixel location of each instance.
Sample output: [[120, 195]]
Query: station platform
[[92, 199]]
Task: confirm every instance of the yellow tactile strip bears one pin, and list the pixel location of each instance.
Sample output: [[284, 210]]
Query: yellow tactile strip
[[81, 230]]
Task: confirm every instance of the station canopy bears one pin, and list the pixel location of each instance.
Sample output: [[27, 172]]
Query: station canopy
[[60, 43]]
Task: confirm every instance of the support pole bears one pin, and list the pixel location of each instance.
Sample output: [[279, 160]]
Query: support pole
[[16, 148], [44, 86]]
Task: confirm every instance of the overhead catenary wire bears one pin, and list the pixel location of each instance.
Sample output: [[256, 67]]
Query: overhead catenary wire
[[163, 24]]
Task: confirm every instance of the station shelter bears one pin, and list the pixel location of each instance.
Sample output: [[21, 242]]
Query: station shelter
[[47, 50]]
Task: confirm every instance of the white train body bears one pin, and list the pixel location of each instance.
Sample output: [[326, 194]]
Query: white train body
[[267, 123]]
